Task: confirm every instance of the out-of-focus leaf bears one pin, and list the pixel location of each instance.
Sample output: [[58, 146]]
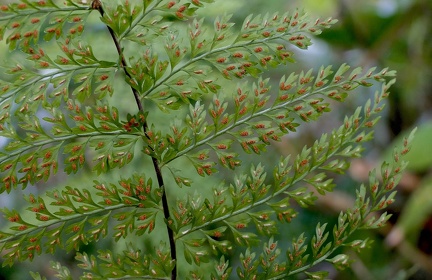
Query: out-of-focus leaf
[[417, 210], [420, 155]]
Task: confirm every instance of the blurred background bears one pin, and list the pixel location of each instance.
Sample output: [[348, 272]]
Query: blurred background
[[385, 33]]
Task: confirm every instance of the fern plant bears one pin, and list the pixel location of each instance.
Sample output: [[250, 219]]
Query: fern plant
[[203, 100]]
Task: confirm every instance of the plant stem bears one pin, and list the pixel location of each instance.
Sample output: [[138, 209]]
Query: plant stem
[[97, 5]]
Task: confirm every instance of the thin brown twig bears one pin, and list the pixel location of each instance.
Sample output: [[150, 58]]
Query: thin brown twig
[[97, 5]]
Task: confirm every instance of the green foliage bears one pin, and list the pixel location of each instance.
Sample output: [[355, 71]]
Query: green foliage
[[210, 84]]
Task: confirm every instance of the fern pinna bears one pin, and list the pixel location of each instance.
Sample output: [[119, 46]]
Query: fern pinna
[[203, 101]]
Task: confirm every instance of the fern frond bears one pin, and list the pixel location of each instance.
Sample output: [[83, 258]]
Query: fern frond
[[260, 44], [131, 263], [89, 76], [252, 123], [251, 191], [361, 216], [27, 161], [26, 19], [57, 112], [71, 217]]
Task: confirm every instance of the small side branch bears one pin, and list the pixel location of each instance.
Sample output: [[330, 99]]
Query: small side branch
[[97, 5]]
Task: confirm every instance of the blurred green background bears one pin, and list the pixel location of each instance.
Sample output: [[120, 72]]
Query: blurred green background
[[385, 33]]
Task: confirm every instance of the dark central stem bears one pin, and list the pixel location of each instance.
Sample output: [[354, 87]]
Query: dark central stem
[[96, 4]]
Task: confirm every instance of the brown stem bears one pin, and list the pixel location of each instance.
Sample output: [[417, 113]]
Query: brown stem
[[96, 4]]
